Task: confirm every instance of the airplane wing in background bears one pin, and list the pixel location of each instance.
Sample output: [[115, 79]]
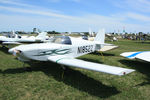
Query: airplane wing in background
[[68, 61], [11, 43], [142, 55]]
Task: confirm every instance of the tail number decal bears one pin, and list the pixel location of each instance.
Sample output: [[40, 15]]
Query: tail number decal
[[85, 49]]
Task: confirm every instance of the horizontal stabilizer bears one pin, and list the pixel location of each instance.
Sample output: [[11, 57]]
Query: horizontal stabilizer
[[108, 47], [89, 65]]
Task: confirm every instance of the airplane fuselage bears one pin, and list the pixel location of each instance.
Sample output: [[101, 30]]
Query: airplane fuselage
[[42, 51]]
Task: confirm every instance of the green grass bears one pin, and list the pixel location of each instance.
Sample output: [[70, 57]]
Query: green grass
[[44, 81]]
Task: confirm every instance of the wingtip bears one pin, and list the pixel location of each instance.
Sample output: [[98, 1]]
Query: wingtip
[[128, 71], [128, 55]]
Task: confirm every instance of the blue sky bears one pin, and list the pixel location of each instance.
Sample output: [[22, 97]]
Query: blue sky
[[75, 15]]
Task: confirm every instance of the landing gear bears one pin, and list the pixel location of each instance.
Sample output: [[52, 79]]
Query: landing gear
[[64, 68]]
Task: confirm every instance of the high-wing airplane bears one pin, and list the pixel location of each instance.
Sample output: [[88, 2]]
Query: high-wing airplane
[[64, 50], [142, 55], [23, 39]]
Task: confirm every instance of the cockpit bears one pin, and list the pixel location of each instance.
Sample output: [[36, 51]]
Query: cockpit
[[62, 40]]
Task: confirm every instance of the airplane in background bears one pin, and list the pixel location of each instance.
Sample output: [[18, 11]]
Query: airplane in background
[[106, 46], [16, 39], [64, 50], [111, 37], [141, 55], [91, 34], [11, 35]]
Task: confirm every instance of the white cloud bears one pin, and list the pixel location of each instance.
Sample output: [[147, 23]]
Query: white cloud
[[139, 5], [62, 22], [56, 1], [76, 0], [37, 12], [18, 22], [136, 5], [138, 17], [21, 4], [15, 3]]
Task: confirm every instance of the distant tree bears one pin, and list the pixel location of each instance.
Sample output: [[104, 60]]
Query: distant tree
[[32, 32], [86, 33], [53, 32], [20, 32]]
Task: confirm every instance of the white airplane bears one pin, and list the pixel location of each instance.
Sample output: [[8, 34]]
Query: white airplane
[[12, 35], [91, 34], [23, 39], [142, 55], [111, 37], [64, 50]]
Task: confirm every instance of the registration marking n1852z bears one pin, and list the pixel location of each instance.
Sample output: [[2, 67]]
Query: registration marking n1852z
[[85, 49]]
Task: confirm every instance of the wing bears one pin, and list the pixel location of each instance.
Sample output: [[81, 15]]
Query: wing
[[143, 55], [6, 43], [89, 65]]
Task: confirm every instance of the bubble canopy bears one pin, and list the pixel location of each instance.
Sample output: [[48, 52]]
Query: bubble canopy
[[62, 40]]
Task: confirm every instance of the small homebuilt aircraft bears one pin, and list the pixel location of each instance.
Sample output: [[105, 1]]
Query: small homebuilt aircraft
[[22, 39], [142, 55], [64, 50]]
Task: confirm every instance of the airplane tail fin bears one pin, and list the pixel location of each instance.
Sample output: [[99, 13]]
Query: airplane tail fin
[[13, 32], [100, 39], [91, 33], [41, 35], [100, 36], [14, 35]]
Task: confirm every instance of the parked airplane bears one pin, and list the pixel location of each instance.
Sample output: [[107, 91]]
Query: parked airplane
[[142, 55], [23, 39], [64, 50], [11, 35], [91, 34], [111, 37]]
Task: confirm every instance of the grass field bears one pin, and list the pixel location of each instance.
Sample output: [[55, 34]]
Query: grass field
[[44, 81]]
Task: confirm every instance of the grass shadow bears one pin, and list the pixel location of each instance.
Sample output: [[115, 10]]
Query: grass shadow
[[143, 42], [103, 53], [72, 78], [142, 67], [4, 49]]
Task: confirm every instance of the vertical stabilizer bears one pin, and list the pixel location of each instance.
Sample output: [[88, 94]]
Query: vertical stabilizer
[[41, 35], [100, 36], [14, 35], [13, 32], [91, 33]]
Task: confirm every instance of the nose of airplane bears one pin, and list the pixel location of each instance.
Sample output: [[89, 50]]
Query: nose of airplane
[[15, 52]]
